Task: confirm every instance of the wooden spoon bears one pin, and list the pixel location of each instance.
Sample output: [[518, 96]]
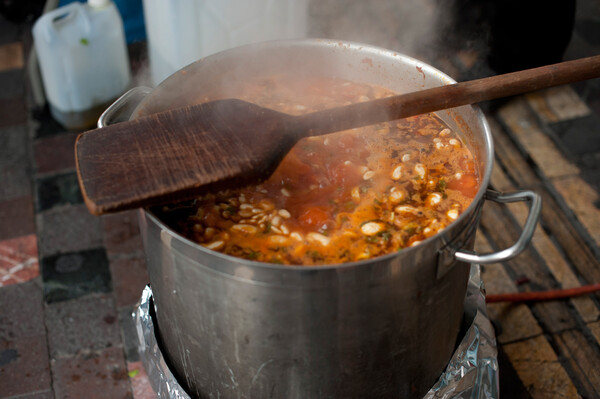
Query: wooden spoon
[[176, 154]]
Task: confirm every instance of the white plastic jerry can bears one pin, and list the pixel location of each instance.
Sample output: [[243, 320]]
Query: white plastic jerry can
[[83, 60]]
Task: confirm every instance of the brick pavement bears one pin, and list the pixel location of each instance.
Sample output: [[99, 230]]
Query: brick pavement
[[65, 318], [69, 281]]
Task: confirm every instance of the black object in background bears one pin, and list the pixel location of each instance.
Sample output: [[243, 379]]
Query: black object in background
[[518, 34]]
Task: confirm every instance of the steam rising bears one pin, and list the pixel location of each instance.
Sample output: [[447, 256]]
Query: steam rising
[[407, 26], [411, 27]]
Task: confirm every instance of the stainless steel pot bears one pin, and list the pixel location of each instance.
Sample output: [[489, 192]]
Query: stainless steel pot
[[385, 327]]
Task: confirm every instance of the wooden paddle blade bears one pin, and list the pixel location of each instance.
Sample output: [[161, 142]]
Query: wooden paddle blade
[[174, 154]]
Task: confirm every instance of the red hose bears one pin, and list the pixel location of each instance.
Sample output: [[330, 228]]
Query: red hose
[[543, 295]]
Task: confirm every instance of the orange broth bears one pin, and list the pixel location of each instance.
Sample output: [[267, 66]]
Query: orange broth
[[341, 197]]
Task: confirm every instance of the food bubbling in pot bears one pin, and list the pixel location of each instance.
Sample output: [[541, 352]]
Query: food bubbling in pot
[[341, 197]]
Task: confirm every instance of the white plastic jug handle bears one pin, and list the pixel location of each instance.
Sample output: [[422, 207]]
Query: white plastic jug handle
[[69, 11]]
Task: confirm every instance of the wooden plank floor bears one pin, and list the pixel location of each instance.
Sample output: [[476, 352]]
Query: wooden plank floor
[[547, 349]]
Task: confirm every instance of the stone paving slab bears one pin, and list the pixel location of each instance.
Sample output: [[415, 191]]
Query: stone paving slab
[[46, 394], [24, 359], [26, 319], [101, 375], [55, 153], [17, 217], [56, 190], [81, 326], [122, 234], [24, 366], [67, 229], [12, 83], [73, 275], [13, 111], [14, 162], [129, 277]]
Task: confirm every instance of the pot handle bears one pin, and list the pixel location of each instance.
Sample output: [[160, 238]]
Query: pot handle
[[123, 107], [535, 206]]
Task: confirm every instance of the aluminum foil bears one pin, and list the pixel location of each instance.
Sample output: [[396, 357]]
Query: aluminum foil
[[472, 372], [162, 380]]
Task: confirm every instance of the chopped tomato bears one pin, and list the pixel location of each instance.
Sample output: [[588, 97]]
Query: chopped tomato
[[467, 185]]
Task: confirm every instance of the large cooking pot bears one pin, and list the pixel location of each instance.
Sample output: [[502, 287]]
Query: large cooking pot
[[385, 327]]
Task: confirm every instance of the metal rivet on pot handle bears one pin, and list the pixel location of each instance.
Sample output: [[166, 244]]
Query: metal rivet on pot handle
[[123, 107], [528, 229]]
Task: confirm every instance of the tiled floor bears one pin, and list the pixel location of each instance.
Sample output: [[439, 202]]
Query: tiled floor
[[69, 280]]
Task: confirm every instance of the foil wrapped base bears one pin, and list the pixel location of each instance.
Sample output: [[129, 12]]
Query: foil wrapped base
[[472, 372]]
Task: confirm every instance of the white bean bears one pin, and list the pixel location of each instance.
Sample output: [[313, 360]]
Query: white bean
[[246, 213], [397, 173], [244, 228], [372, 228], [355, 193], [296, 236], [278, 240], [434, 199], [317, 237], [396, 196], [420, 169], [369, 174], [215, 245], [406, 209], [452, 214], [284, 213]]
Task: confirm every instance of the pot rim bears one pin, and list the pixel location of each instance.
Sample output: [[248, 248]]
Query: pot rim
[[366, 49]]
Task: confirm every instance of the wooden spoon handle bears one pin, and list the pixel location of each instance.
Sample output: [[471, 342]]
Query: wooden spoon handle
[[449, 96]]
